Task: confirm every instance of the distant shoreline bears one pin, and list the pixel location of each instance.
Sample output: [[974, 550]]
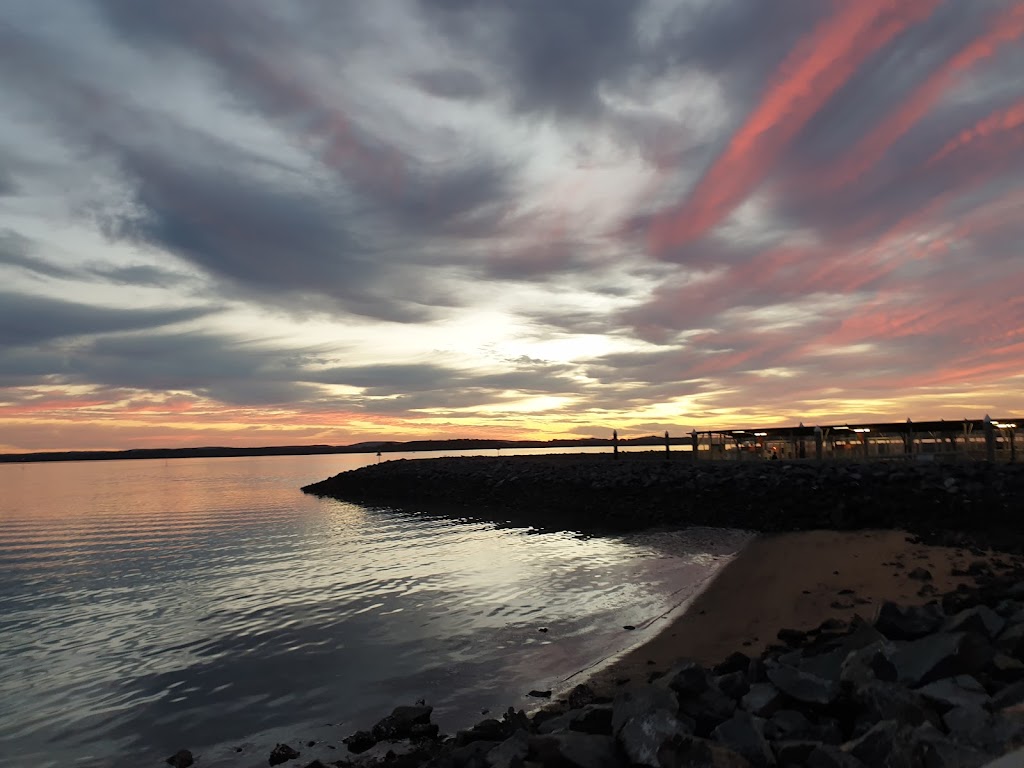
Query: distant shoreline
[[411, 446]]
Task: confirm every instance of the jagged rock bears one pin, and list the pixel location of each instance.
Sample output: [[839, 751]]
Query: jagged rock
[[792, 637], [874, 746], [642, 701], [1006, 667], [359, 742], [920, 574], [872, 662], [878, 701], [180, 759], [828, 756], [744, 734], [576, 749], [734, 662], [757, 671], [473, 755], [934, 750], [398, 725], [980, 619], [1011, 640], [700, 753], [941, 655], [789, 725], [687, 678], [1010, 695], [643, 736], [486, 730], [734, 685], [910, 622], [958, 691], [965, 722], [763, 700], [424, 731], [707, 710], [594, 718], [580, 696], [510, 753], [793, 754], [803, 686], [282, 753]]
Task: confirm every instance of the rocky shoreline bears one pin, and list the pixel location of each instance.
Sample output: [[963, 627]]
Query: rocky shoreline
[[595, 493], [939, 685]]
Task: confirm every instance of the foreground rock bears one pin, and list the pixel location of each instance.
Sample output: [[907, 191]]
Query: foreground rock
[[924, 688], [595, 492]]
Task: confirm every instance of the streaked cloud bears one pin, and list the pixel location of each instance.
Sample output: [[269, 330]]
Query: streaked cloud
[[327, 222]]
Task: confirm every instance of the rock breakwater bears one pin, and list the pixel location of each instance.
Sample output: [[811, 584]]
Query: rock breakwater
[[634, 491]]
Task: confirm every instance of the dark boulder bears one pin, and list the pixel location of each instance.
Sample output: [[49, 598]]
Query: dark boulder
[[744, 734], [687, 678], [180, 759], [359, 742], [958, 691], [879, 701], [734, 685], [909, 622], [694, 751], [803, 686], [980, 619], [763, 700], [282, 753], [941, 655], [510, 753], [398, 725], [575, 750]]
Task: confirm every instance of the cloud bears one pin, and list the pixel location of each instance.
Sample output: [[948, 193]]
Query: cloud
[[468, 215], [817, 67], [15, 252], [452, 83], [27, 319]]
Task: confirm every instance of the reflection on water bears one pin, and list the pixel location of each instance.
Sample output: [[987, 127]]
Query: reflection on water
[[151, 605]]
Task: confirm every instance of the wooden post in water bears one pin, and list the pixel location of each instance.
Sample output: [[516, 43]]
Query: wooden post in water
[[695, 443], [818, 446], [667, 449], [908, 440], [990, 440], [615, 443]]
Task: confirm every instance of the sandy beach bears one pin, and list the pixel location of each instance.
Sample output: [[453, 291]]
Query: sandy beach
[[797, 581]]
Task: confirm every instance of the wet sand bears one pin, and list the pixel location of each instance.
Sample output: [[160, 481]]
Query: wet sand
[[795, 580]]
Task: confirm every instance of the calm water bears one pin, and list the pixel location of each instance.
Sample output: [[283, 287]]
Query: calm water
[[147, 606]]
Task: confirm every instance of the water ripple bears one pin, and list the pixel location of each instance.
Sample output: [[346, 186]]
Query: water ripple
[[147, 604]]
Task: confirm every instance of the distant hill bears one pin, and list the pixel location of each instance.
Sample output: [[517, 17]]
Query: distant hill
[[387, 446]]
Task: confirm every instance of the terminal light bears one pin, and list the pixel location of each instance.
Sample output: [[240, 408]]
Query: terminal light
[[840, 427], [739, 431], [760, 434], [861, 429], [1003, 425]]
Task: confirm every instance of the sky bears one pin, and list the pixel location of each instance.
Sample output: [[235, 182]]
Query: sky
[[248, 222]]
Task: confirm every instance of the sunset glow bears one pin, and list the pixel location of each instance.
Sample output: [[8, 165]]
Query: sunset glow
[[254, 224]]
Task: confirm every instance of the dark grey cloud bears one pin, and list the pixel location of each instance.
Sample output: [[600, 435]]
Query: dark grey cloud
[[552, 56], [15, 251], [8, 186], [216, 366], [26, 319], [139, 274], [457, 84], [258, 226]]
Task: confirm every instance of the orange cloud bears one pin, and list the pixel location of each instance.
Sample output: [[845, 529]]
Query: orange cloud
[[1004, 121], [816, 68], [1005, 28]]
